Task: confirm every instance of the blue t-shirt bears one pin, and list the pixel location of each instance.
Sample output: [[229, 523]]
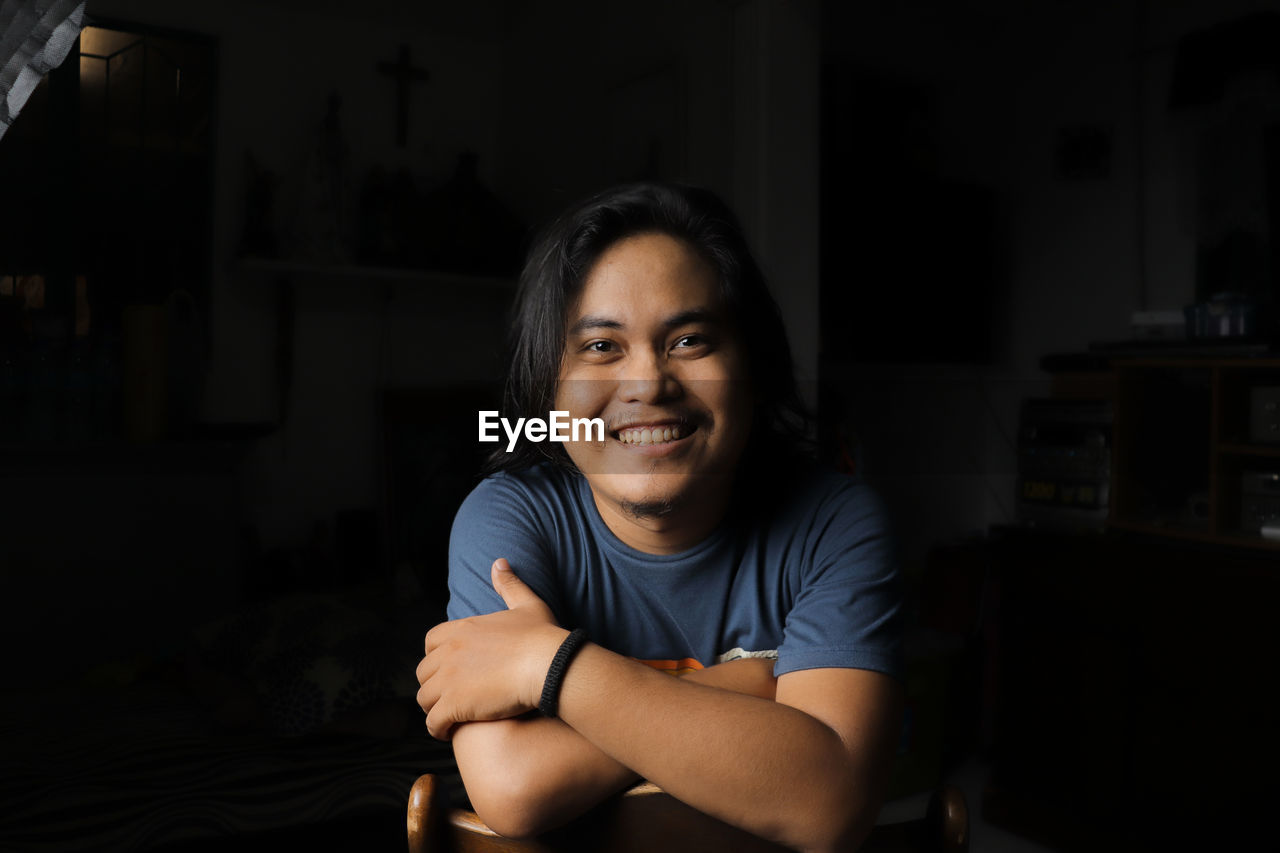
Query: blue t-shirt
[[807, 576]]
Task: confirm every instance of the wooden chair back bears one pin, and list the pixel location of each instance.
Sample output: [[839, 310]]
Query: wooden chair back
[[647, 819]]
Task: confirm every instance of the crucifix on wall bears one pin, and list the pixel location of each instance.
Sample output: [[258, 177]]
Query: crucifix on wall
[[405, 74]]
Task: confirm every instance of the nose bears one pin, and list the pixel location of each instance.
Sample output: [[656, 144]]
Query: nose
[[647, 380]]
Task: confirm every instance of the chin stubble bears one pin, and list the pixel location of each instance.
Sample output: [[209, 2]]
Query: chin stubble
[[649, 509]]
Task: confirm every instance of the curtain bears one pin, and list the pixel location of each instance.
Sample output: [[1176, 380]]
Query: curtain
[[35, 37]]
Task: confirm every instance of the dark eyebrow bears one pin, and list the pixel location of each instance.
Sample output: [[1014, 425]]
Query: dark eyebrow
[[684, 318], [589, 322], [690, 317]]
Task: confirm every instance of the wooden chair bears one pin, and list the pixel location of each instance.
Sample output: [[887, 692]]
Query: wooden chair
[[646, 819]]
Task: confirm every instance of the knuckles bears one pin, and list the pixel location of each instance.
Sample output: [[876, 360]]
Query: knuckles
[[455, 671], [442, 642], [439, 726]]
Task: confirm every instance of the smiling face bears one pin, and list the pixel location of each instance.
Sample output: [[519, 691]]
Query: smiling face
[[649, 348]]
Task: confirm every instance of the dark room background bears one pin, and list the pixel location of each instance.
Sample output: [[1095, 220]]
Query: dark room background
[[942, 194], [979, 99]]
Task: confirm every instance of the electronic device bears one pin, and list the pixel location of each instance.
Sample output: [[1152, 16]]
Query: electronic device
[[1264, 413], [1064, 462], [1259, 499]]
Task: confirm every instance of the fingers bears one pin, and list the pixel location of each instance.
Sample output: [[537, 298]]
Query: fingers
[[440, 722], [442, 633], [426, 668], [429, 701], [514, 592], [432, 639], [428, 696]]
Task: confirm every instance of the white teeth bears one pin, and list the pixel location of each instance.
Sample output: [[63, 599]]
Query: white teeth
[[649, 435]]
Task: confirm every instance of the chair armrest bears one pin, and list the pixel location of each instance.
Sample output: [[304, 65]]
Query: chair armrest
[[423, 815], [947, 820], [645, 818]]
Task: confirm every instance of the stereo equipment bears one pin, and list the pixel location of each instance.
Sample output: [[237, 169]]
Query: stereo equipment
[[1264, 413], [1259, 499], [1064, 462]]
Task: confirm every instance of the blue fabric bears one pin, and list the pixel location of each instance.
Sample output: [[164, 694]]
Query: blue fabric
[[35, 38], [809, 575]]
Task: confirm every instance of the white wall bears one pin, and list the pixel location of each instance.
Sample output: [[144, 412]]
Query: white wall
[[352, 335], [749, 111], [539, 95], [777, 53], [534, 89], [937, 440], [1079, 248], [568, 64], [1009, 76]]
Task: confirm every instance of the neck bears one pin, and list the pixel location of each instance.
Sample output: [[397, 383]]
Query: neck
[[685, 524]]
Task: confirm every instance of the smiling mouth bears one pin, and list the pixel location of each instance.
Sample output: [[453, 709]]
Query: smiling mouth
[[655, 434]]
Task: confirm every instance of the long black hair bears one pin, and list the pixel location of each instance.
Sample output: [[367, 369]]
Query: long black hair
[[557, 267]]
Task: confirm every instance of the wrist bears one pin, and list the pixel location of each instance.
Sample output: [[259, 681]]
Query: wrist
[[547, 644], [549, 701]]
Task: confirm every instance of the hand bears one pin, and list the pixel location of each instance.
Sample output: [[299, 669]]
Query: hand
[[488, 667]]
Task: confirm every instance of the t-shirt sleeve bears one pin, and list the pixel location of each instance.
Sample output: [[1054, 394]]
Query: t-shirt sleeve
[[848, 610], [497, 520]]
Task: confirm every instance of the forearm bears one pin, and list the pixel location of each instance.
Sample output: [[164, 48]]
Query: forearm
[[529, 774], [748, 676], [763, 766]]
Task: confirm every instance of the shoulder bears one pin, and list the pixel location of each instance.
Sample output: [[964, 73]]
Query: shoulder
[[529, 493], [842, 574], [825, 527], [516, 516], [821, 502], [519, 511]]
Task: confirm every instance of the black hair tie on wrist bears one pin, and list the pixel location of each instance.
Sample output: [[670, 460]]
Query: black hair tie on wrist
[[550, 701]]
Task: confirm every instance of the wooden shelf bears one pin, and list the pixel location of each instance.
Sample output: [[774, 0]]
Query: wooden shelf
[[1180, 430], [1239, 538], [1172, 530], [1264, 450], [1249, 540], [1260, 362]]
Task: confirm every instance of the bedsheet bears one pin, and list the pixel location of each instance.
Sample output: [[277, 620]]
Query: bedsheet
[[142, 767]]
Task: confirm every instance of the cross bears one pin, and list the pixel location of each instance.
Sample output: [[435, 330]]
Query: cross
[[404, 73]]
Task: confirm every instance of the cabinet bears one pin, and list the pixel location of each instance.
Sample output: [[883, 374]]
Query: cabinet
[[1132, 705], [1184, 454]]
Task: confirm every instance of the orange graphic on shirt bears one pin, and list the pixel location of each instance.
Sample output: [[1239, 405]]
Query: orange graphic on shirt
[[674, 667]]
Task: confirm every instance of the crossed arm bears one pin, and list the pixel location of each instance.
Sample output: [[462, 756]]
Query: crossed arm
[[802, 760]]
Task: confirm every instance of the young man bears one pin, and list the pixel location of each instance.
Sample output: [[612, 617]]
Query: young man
[[692, 541]]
